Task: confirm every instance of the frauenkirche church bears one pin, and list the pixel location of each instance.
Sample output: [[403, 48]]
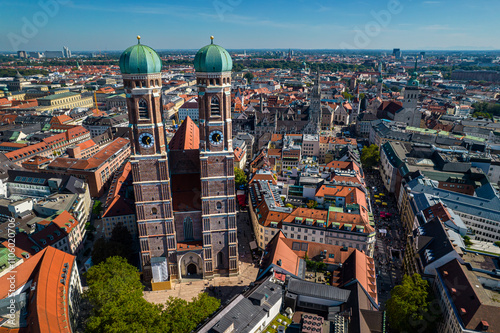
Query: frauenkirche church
[[185, 189]]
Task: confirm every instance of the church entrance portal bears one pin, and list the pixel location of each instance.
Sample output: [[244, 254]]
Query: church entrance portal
[[191, 269]]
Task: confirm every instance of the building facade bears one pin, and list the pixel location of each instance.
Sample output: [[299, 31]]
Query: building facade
[[184, 196]]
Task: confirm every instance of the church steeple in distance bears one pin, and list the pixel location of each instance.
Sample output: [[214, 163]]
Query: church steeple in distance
[[314, 125]]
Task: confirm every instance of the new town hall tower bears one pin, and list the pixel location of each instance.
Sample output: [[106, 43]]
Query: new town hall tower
[[184, 190]]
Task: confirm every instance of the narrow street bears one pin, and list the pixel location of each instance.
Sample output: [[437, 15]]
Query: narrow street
[[390, 241]]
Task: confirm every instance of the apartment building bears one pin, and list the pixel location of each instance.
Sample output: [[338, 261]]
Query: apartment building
[[468, 295]]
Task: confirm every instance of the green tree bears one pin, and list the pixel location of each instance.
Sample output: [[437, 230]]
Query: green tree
[[182, 316], [346, 95], [97, 208], [497, 243], [312, 204], [249, 76], [467, 241], [289, 205], [412, 307], [370, 156], [239, 177], [115, 294]]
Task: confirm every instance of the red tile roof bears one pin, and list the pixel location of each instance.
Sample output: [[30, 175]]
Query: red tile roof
[[47, 309], [238, 154], [86, 144], [62, 119], [187, 136]]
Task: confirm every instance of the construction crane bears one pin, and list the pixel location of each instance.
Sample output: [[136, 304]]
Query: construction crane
[[95, 101]]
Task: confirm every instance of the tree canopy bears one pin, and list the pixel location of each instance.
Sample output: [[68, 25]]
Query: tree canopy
[[486, 110], [312, 204], [370, 156], [116, 296], [249, 76], [412, 307], [239, 177]]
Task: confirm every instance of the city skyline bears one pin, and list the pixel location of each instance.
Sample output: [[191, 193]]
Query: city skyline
[[381, 24]]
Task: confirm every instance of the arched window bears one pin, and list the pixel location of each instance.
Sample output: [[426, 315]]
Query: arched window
[[143, 109], [220, 260], [215, 106], [151, 84], [188, 229], [154, 210], [156, 83], [219, 205]]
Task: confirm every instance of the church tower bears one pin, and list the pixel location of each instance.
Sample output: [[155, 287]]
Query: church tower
[[213, 66], [380, 81], [411, 96], [314, 125], [141, 66]]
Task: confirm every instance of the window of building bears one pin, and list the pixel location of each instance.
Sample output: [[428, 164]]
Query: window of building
[[188, 229], [215, 106], [143, 109]]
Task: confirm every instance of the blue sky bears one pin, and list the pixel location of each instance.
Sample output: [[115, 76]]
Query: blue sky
[[248, 24]]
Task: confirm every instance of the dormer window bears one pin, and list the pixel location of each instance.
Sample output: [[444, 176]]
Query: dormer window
[[215, 106]]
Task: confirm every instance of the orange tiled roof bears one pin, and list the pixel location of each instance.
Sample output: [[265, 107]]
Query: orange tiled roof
[[37, 160], [274, 152], [47, 312], [238, 154], [64, 220], [187, 136], [277, 137], [87, 144], [13, 144], [27, 151], [263, 176]]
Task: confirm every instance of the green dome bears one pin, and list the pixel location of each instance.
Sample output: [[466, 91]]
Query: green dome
[[213, 58], [140, 59]]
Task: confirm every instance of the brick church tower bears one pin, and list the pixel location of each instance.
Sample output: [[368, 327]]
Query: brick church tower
[[141, 66], [213, 66], [184, 191]]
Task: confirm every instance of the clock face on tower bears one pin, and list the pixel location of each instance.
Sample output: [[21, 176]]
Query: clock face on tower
[[146, 140], [216, 137]]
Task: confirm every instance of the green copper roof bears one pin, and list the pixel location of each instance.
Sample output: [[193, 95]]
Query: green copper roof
[[140, 59], [213, 58]]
